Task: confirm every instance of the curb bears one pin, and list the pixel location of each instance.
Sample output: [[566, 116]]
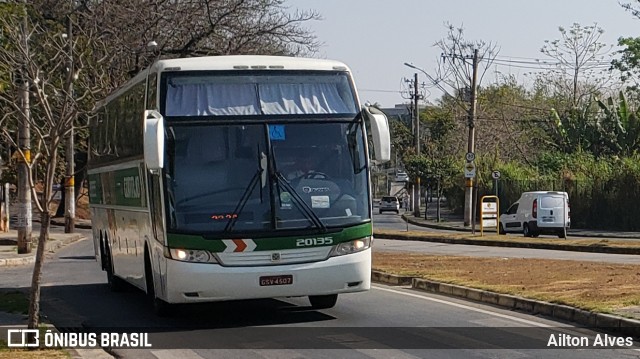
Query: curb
[[413, 221], [51, 247], [566, 313], [7, 262], [60, 223]]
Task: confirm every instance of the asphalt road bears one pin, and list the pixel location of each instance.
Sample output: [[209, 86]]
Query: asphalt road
[[391, 220], [384, 322]]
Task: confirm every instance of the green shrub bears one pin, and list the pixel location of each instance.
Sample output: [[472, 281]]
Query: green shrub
[[604, 193]]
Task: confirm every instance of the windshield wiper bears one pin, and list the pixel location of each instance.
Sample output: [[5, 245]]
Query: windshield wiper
[[246, 195], [243, 200], [300, 203]]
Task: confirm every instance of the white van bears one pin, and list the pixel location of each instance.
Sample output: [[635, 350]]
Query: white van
[[539, 212]]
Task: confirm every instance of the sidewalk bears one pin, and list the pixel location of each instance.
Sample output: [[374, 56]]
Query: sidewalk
[[57, 239]]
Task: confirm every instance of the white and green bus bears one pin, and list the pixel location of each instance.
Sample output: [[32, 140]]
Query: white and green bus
[[235, 177]]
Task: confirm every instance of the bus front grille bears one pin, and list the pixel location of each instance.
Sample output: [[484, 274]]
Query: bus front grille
[[273, 257]]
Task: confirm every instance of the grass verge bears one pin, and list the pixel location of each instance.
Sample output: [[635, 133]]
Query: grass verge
[[14, 302], [595, 286]]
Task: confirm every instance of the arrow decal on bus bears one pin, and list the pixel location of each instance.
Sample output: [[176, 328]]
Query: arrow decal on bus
[[239, 245]]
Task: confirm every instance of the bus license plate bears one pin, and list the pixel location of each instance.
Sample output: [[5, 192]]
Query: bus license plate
[[276, 280]]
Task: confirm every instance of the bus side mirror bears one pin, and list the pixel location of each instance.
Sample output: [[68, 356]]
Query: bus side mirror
[[153, 140], [380, 133]]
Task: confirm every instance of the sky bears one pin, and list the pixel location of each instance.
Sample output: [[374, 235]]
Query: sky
[[376, 37]]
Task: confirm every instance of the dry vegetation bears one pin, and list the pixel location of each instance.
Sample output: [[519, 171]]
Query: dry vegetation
[[33, 354], [602, 287]]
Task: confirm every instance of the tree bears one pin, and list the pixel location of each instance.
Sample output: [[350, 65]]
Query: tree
[[629, 62], [463, 67], [567, 87], [580, 67], [42, 61], [109, 47], [121, 29], [455, 69], [401, 138], [508, 117], [619, 126]]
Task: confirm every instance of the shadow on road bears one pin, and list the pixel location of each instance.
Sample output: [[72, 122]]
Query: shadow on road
[[94, 306]]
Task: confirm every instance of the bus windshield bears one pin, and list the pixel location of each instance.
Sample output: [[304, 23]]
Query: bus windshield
[[249, 178]]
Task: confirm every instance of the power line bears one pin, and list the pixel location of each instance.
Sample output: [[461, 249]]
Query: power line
[[378, 90], [541, 61], [548, 66]]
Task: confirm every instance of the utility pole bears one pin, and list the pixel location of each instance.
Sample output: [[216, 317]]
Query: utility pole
[[416, 142], [69, 183], [468, 193], [24, 223]]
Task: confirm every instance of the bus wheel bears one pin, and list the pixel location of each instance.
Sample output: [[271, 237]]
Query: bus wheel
[[160, 307], [323, 301], [115, 283]]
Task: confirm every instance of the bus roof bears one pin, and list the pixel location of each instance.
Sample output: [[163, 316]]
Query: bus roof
[[249, 62], [229, 63]]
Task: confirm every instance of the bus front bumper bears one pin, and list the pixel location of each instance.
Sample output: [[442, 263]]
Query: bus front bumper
[[201, 282]]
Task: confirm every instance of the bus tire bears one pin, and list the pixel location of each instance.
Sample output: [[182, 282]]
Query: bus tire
[[103, 257], [160, 307], [116, 284], [323, 301]]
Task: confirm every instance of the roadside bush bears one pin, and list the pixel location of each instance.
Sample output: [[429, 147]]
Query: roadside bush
[[604, 193]]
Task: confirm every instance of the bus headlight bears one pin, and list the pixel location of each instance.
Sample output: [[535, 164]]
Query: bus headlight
[[357, 245], [191, 255]]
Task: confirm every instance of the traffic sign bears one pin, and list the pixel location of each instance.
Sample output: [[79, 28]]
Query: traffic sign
[[469, 170], [470, 156], [495, 175]]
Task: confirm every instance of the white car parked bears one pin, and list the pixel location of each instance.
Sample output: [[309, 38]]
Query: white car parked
[[540, 212]]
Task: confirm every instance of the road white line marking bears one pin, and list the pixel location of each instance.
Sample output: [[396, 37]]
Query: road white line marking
[[274, 353], [505, 316], [176, 354]]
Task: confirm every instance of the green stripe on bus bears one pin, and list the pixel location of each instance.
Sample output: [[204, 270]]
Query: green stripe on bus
[[273, 243], [95, 189], [121, 187], [128, 187]]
